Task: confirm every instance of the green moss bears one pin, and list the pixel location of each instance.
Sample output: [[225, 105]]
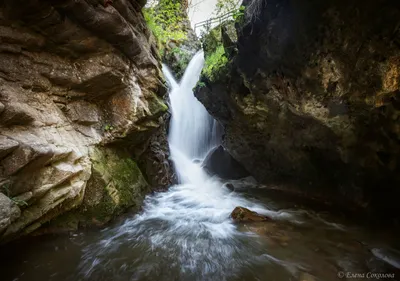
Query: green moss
[[120, 177], [215, 64], [116, 184], [165, 21], [178, 59], [156, 105]]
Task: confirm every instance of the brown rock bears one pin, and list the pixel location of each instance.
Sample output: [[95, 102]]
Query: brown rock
[[304, 276], [17, 114], [78, 79], [241, 214]]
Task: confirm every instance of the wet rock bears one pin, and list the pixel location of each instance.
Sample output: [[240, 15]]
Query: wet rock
[[304, 276], [241, 214], [243, 184], [230, 186], [389, 256], [158, 167], [219, 162]]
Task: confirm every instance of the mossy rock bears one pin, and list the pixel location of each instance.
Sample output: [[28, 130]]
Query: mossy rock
[[116, 184], [156, 105], [213, 39]]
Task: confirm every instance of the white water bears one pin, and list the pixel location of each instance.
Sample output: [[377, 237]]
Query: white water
[[191, 128], [186, 234], [189, 225]]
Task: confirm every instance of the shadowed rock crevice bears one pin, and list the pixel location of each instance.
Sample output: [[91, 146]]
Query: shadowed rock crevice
[[310, 101]]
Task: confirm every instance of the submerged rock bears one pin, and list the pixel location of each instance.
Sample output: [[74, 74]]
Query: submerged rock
[[243, 184], [241, 214]]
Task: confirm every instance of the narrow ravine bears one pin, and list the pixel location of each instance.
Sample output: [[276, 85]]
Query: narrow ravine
[[186, 233]]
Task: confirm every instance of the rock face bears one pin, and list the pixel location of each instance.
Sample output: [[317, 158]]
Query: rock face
[[219, 162], [177, 42], [312, 101], [81, 98], [178, 54], [241, 214]]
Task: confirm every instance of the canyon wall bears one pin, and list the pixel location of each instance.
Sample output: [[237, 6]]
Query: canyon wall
[[82, 113], [310, 99]]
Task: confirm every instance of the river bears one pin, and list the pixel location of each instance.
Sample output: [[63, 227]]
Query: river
[[186, 233]]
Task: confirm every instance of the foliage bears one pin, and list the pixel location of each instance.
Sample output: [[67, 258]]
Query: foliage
[[200, 84], [225, 6], [165, 21], [215, 64], [211, 40], [108, 127], [238, 14], [178, 59]]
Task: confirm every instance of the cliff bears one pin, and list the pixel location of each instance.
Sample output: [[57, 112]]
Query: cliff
[[81, 105], [310, 103], [177, 43]]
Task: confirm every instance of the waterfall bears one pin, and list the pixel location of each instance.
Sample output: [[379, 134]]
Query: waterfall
[[193, 132], [188, 227]]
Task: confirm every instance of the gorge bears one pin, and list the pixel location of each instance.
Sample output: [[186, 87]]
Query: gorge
[[271, 155]]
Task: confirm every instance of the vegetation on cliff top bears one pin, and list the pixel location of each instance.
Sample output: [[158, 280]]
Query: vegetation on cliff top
[[165, 20], [215, 64]]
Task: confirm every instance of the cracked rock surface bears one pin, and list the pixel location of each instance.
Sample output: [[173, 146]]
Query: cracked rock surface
[[81, 98]]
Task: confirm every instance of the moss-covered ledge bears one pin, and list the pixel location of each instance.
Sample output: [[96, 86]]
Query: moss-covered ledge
[[116, 185]]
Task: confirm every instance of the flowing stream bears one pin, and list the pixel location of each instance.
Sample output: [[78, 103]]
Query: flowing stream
[[186, 233]]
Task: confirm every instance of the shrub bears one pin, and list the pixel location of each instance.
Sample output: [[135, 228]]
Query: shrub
[[215, 64], [165, 21]]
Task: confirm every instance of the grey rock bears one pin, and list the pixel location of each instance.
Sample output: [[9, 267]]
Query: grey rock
[[17, 114], [7, 145], [9, 212], [219, 162]]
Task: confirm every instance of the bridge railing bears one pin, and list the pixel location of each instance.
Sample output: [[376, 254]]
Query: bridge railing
[[211, 21]]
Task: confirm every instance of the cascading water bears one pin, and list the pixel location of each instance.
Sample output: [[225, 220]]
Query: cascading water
[[188, 227], [191, 130], [185, 233]]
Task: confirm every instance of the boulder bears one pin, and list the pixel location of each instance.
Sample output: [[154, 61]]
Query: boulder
[[219, 162], [241, 214]]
